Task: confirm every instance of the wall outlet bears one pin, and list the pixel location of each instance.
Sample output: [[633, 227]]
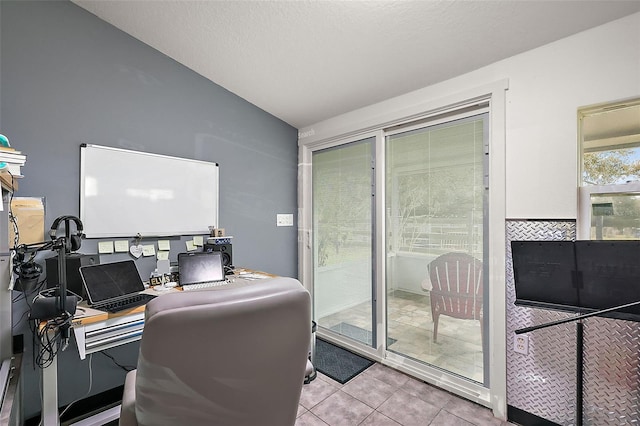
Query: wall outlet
[[521, 344]]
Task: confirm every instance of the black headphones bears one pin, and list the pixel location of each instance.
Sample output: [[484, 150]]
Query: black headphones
[[73, 242]]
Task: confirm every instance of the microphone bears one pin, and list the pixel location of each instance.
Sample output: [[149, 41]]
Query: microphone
[[28, 275]]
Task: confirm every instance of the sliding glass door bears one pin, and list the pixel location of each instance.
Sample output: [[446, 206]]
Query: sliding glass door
[[410, 286], [343, 240], [435, 203]]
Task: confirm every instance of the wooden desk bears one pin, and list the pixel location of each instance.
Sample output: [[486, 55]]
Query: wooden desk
[[96, 330]]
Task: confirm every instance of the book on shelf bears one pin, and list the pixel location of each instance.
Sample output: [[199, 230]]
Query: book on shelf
[[12, 157], [13, 169]]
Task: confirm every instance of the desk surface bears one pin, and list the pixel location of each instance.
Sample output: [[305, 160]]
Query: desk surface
[[85, 315]]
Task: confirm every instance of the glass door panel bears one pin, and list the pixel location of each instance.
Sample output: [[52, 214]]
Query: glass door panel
[[343, 243], [435, 200]]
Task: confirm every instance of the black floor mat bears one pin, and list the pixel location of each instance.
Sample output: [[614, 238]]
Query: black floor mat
[[357, 333], [337, 363]]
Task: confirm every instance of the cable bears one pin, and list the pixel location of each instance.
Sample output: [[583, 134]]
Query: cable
[[126, 368], [19, 296], [88, 390], [12, 218], [50, 339], [15, 324]]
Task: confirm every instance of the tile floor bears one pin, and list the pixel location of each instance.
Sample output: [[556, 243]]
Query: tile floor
[[382, 396]]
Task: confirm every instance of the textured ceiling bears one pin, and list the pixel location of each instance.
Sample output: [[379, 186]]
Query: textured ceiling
[[306, 61]]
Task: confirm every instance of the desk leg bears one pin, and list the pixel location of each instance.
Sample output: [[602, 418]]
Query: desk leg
[[50, 394]]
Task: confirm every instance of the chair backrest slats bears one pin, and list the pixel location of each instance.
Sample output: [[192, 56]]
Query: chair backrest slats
[[457, 280]]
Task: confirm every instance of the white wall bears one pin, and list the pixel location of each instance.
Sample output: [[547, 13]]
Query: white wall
[[546, 87]]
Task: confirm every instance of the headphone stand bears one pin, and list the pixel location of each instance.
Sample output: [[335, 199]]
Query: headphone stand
[[62, 245]]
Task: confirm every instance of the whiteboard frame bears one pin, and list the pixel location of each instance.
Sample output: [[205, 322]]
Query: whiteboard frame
[[197, 229]]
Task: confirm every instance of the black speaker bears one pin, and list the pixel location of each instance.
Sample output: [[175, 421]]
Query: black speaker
[[224, 249], [74, 262]]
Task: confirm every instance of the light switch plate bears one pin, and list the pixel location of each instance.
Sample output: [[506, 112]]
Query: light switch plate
[[284, 219]]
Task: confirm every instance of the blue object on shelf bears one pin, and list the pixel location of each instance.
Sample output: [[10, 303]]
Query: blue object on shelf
[[4, 141]]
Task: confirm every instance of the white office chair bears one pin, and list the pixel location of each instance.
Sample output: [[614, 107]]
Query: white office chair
[[231, 356]]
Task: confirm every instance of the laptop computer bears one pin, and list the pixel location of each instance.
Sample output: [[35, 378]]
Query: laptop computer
[[113, 287], [200, 270]]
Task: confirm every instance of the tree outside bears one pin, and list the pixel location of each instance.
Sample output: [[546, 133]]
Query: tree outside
[[611, 167]]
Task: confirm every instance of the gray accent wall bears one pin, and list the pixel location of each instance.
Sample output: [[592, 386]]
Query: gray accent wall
[[69, 78]]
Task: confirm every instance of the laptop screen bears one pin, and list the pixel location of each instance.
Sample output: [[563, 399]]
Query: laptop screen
[[111, 280], [200, 267]]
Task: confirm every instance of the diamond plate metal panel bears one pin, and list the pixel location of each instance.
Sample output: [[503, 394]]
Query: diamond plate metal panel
[[544, 381], [611, 372]]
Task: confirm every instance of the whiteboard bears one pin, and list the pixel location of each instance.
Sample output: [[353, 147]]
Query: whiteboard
[[124, 193]]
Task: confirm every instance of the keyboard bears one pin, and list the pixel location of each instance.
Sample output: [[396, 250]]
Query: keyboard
[[123, 304], [200, 286]]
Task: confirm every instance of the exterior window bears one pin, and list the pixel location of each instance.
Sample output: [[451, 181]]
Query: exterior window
[[610, 173]]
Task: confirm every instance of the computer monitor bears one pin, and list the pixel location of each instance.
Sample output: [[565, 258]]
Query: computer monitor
[[200, 267]]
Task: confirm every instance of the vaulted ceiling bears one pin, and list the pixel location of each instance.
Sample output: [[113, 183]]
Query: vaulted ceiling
[[306, 61]]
